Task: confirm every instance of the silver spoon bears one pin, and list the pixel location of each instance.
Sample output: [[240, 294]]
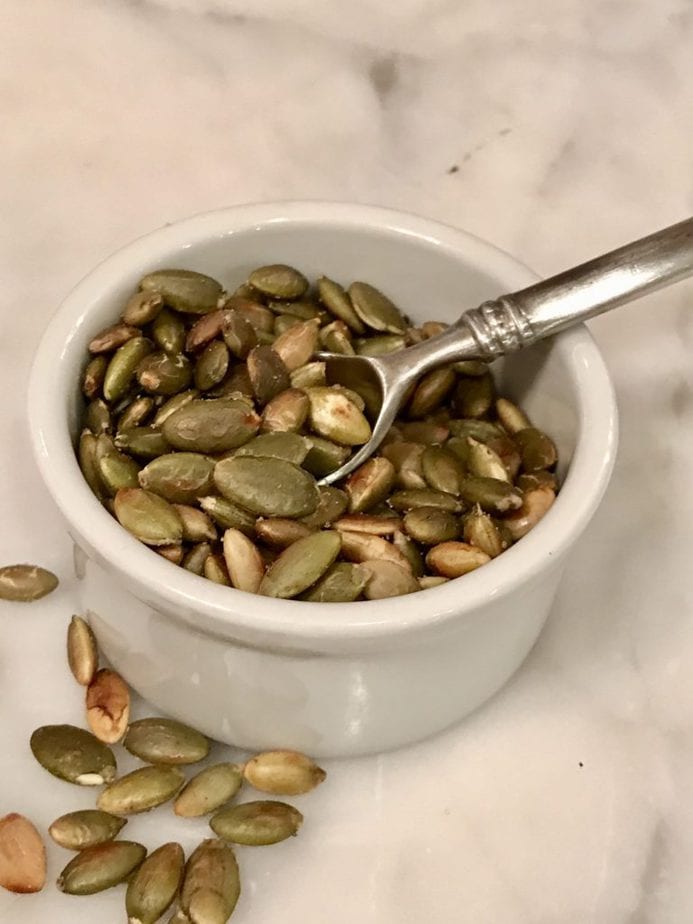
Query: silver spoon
[[515, 321]]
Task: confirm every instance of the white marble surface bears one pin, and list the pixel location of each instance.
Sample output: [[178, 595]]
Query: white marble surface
[[569, 798]]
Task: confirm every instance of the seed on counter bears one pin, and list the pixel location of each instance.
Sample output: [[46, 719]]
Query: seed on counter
[[209, 790], [165, 741], [257, 824], [22, 855], [140, 790], [283, 773], [25, 583], [73, 754], [82, 651], [152, 889], [101, 867], [85, 828]]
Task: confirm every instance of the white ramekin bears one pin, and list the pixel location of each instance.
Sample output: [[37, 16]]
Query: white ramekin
[[329, 679]]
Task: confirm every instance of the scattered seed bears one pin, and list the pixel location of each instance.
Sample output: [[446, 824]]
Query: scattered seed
[[85, 828], [165, 741], [108, 706], [25, 583], [73, 754], [257, 823], [155, 884], [101, 867], [283, 773], [209, 790], [22, 855], [140, 790]]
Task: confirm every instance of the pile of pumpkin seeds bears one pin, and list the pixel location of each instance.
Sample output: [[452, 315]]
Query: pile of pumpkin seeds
[[204, 889], [209, 423]]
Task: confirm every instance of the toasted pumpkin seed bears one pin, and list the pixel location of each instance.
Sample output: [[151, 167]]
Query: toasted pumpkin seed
[[269, 487], [380, 346], [141, 308], [511, 416], [432, 580], [212, 868], [336, 338], [173, 553], [278, 281], [482, 532], [536, 479], [215, 425], [209, 790], [268, 374], [73, 754], [86, 828], [370, 484], [375, 309], [312, 375], [338, 303], [536, 449], [361, 547], [112, 337], [283, 773], [431, 391], [145, 442], [278, 445], [98, 417], [179, 477], [137, 413], [25, 583], [423, 497], [424, 431], [334, 416], [108, 706], [258, 316], [482, 430], [243, 561], [287, 411], [377, 525], [94, 375], [296, 345], [82, 651], [140, 790], [165, 741], [406, 458], [101, 867], [280, 532], [386, 579], [184, 290], [324, 456], [197, 525], [214, 569], [117, 471], [228, 515], [493, 495], [122, 367], [205, 329], [474, 395], [211, 367], [441, 469], [471, 367], [257, 823], [239, 334], [341, 583], [164, 373], [22, 855], [484, 462], [453, 559], [332, 502], [410, 552], [301, 565], [86, 455], [149, 518], [194, 560], [154, 886], [536, 503], [431, 525]]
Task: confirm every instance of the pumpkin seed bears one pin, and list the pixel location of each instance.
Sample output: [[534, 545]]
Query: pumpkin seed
[[243, 561], [179, 477], [165, 741], [108, 706], [338, 303], [145, 442], [301, 565], [101, 867], [22, 855], [296, 345], [154, 886], [410, 552], [536, 449], [474, 395], [207, 907], [431, 525], [86, 455], [474, 367], [511, 416], [215, 425], [164, 373], [205, 329], [268, 487], [82, 651], [73, 754], [453, 559], [173, 404], [197, 525], [298, 310], [214, 569], [482, 430], [184, 290], [535, 504], [482, 532], [278, 281], [173, 553], [424, 431], [194, 560], [112, 337], [137, 413], [288, 411], [309, 376], [140, 790], [423, 497], [336, 338], [149, 518], [380, 346], [341, 583], [386, 579], [239, 334], [441, 469], [375, 309], [260, 318], [335, 417], [288, 446], [537, 479], [98, 417], [432, 580], [406, 458], [257, 823], [86, 828], [25, 583], [280, 532], [122, 367], [268, 374], [168, 332], [283, 773], [141, 308], [117, 471], [211, 367], [94, 375], [370, 484], [431, 391], [209, 790], [332, 502], [369, 523], [324, 456], [361, 547], [484, 462], [492, 494], [228, 515], [212, 868]]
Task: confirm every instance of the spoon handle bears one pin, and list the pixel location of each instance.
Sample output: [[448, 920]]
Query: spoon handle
[[521, 318]]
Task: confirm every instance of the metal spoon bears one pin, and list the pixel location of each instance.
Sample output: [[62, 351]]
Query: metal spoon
[[514, 321]]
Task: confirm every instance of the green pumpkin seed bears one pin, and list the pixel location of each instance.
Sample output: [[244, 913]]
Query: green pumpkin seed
[[324, 456], [184, 290], [145, 442], [140, 790], [441, 469], [296, 346], [375, 309], [508, 453], [482, 532], [431, 525], [301, 564], [361, 547], [179, 477], [236, 385], [336, 338], [268, 487], [288, 411], [537, 479], [453, 559], [87, 828], [380, 346], [209, 790], [288, 446], [423, 497], [298, 310], [536, 449], [118, 471], [212, 365], [215, 425], [474, 367], [122, 367], [154, 886], [484, 462], [112, 337], [214, 569], [431, 391], [341, 583], [536, 503], [474, 396], [243, 561], [406, 458], [73, 754], [283, 322], [257, 823], [482, 430], [268, 374], [239, 334], [280, 532], [332, 502], [82, 651], [278, 281], [309, 376], [101, 867], [94, 375], [207, 907], [168, 332], [149, 518], [137, 413], [386, 579], [459, 447], [383, 525], [172, 405], [493, 495], [260, 318], [333, 416], [283, 773], [228, 515], [98, 417], [409, 550], [511, 416], [370, 484], [142, 308], [205, 329], [197, 525], [194, 560], [338, 303], [165, 741], [164, 373], [212, 868], [24, 583], [424, 431]]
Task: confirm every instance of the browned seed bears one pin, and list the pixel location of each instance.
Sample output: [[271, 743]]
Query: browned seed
[[268, 374], [243, 561], [204, 330], [453, 559], [360, 547], [108, 706], [370, 484], [22, 856], [82, 651], [112, 337], [287, 411], [369, 523], [535, 504], [280, 532]]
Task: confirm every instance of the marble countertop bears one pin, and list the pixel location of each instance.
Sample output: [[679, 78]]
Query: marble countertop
[[555, 130]]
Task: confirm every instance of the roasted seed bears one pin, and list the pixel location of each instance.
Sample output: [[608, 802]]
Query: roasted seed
[[332, 502], [312, 375], [296, 346], [536, 503], [369, 523], [287, 411], [278, 281], [375, 309], [82, 651], [141, 308], [173, 404], [338, 303], [137, 413], [22, 855], [211, 367], [209, 790], [299, 310], [268, 374], [431, 525], [86, 828], [257, 823], [471, 367], [184, 290], [117, 471], [243, 561], [482, 430], [370, 484], [386, 579], [341, 583], [179, 477], [361, 547], [424, 431], [211, 869], [333, 416], [406, 457], [194, 560], [122, 367], [380, 346], [261, 319], [73, 754], [108, 706], [431, 391], [410, 552], [493, 495], [482, 532], [484, 462], [537, 479], [101, 867], [214, 569], [140, 790], [145, 442], [172, 553], [536, 449], [149, 518], [324, 456], [94, 375], [453, 559], [511, 416], [165, 741], [197, 525], [239, 334], [98, 417], [215, 425], [25, 583], [154, 886], [474, 395], [441, 470], [280, 532], [86, 455], [164, 373], [205, 329], [227, 515], [301, 565], [432, 580], [423, 497], [288, 446], [268, 487], [283, 773], [336, 338], [112, 337]]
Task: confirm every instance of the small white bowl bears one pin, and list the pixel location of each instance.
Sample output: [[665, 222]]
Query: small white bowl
[[328, 679]]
